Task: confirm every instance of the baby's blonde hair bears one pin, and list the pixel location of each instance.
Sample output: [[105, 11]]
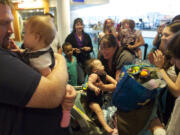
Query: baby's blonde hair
[[44, 26], [90, 65]]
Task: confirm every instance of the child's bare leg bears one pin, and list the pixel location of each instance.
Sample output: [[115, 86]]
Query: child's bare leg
[[97, 109]]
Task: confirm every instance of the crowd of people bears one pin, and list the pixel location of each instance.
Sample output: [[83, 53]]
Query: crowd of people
[[36, 83]]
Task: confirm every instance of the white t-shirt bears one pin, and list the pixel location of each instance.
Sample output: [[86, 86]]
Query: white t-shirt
[[42, 61]]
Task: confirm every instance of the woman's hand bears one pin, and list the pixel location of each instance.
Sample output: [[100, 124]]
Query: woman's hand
[[151, 58], [158, 58], [86, 49], [76, 50]]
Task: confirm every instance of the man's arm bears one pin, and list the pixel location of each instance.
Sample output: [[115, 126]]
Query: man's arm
[[51, 89]]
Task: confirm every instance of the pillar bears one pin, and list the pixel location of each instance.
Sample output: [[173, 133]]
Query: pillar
[[46, 6], [16, 25], [63, 19]]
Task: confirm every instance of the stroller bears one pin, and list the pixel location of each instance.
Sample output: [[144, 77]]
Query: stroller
[[83, 120], [81, 123]]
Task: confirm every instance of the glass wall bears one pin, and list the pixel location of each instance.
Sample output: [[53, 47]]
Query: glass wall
[[147, 15]]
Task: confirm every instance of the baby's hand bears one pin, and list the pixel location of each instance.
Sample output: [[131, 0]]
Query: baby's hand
[[97, 91], [12, 45], [130, 46], [18, 50], [100, 85]]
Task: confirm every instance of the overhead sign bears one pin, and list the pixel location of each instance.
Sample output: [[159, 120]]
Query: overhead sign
[[78, 0], [89, 2]]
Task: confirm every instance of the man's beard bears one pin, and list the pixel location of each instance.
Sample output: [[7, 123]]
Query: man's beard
[[5, 43]]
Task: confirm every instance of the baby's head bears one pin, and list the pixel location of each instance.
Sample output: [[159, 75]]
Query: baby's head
[[67, 49], [39, 32], [128, 24], [125, 23], [94, 66]]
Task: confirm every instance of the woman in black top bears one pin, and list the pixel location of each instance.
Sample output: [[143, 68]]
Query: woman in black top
[[82, 46]]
